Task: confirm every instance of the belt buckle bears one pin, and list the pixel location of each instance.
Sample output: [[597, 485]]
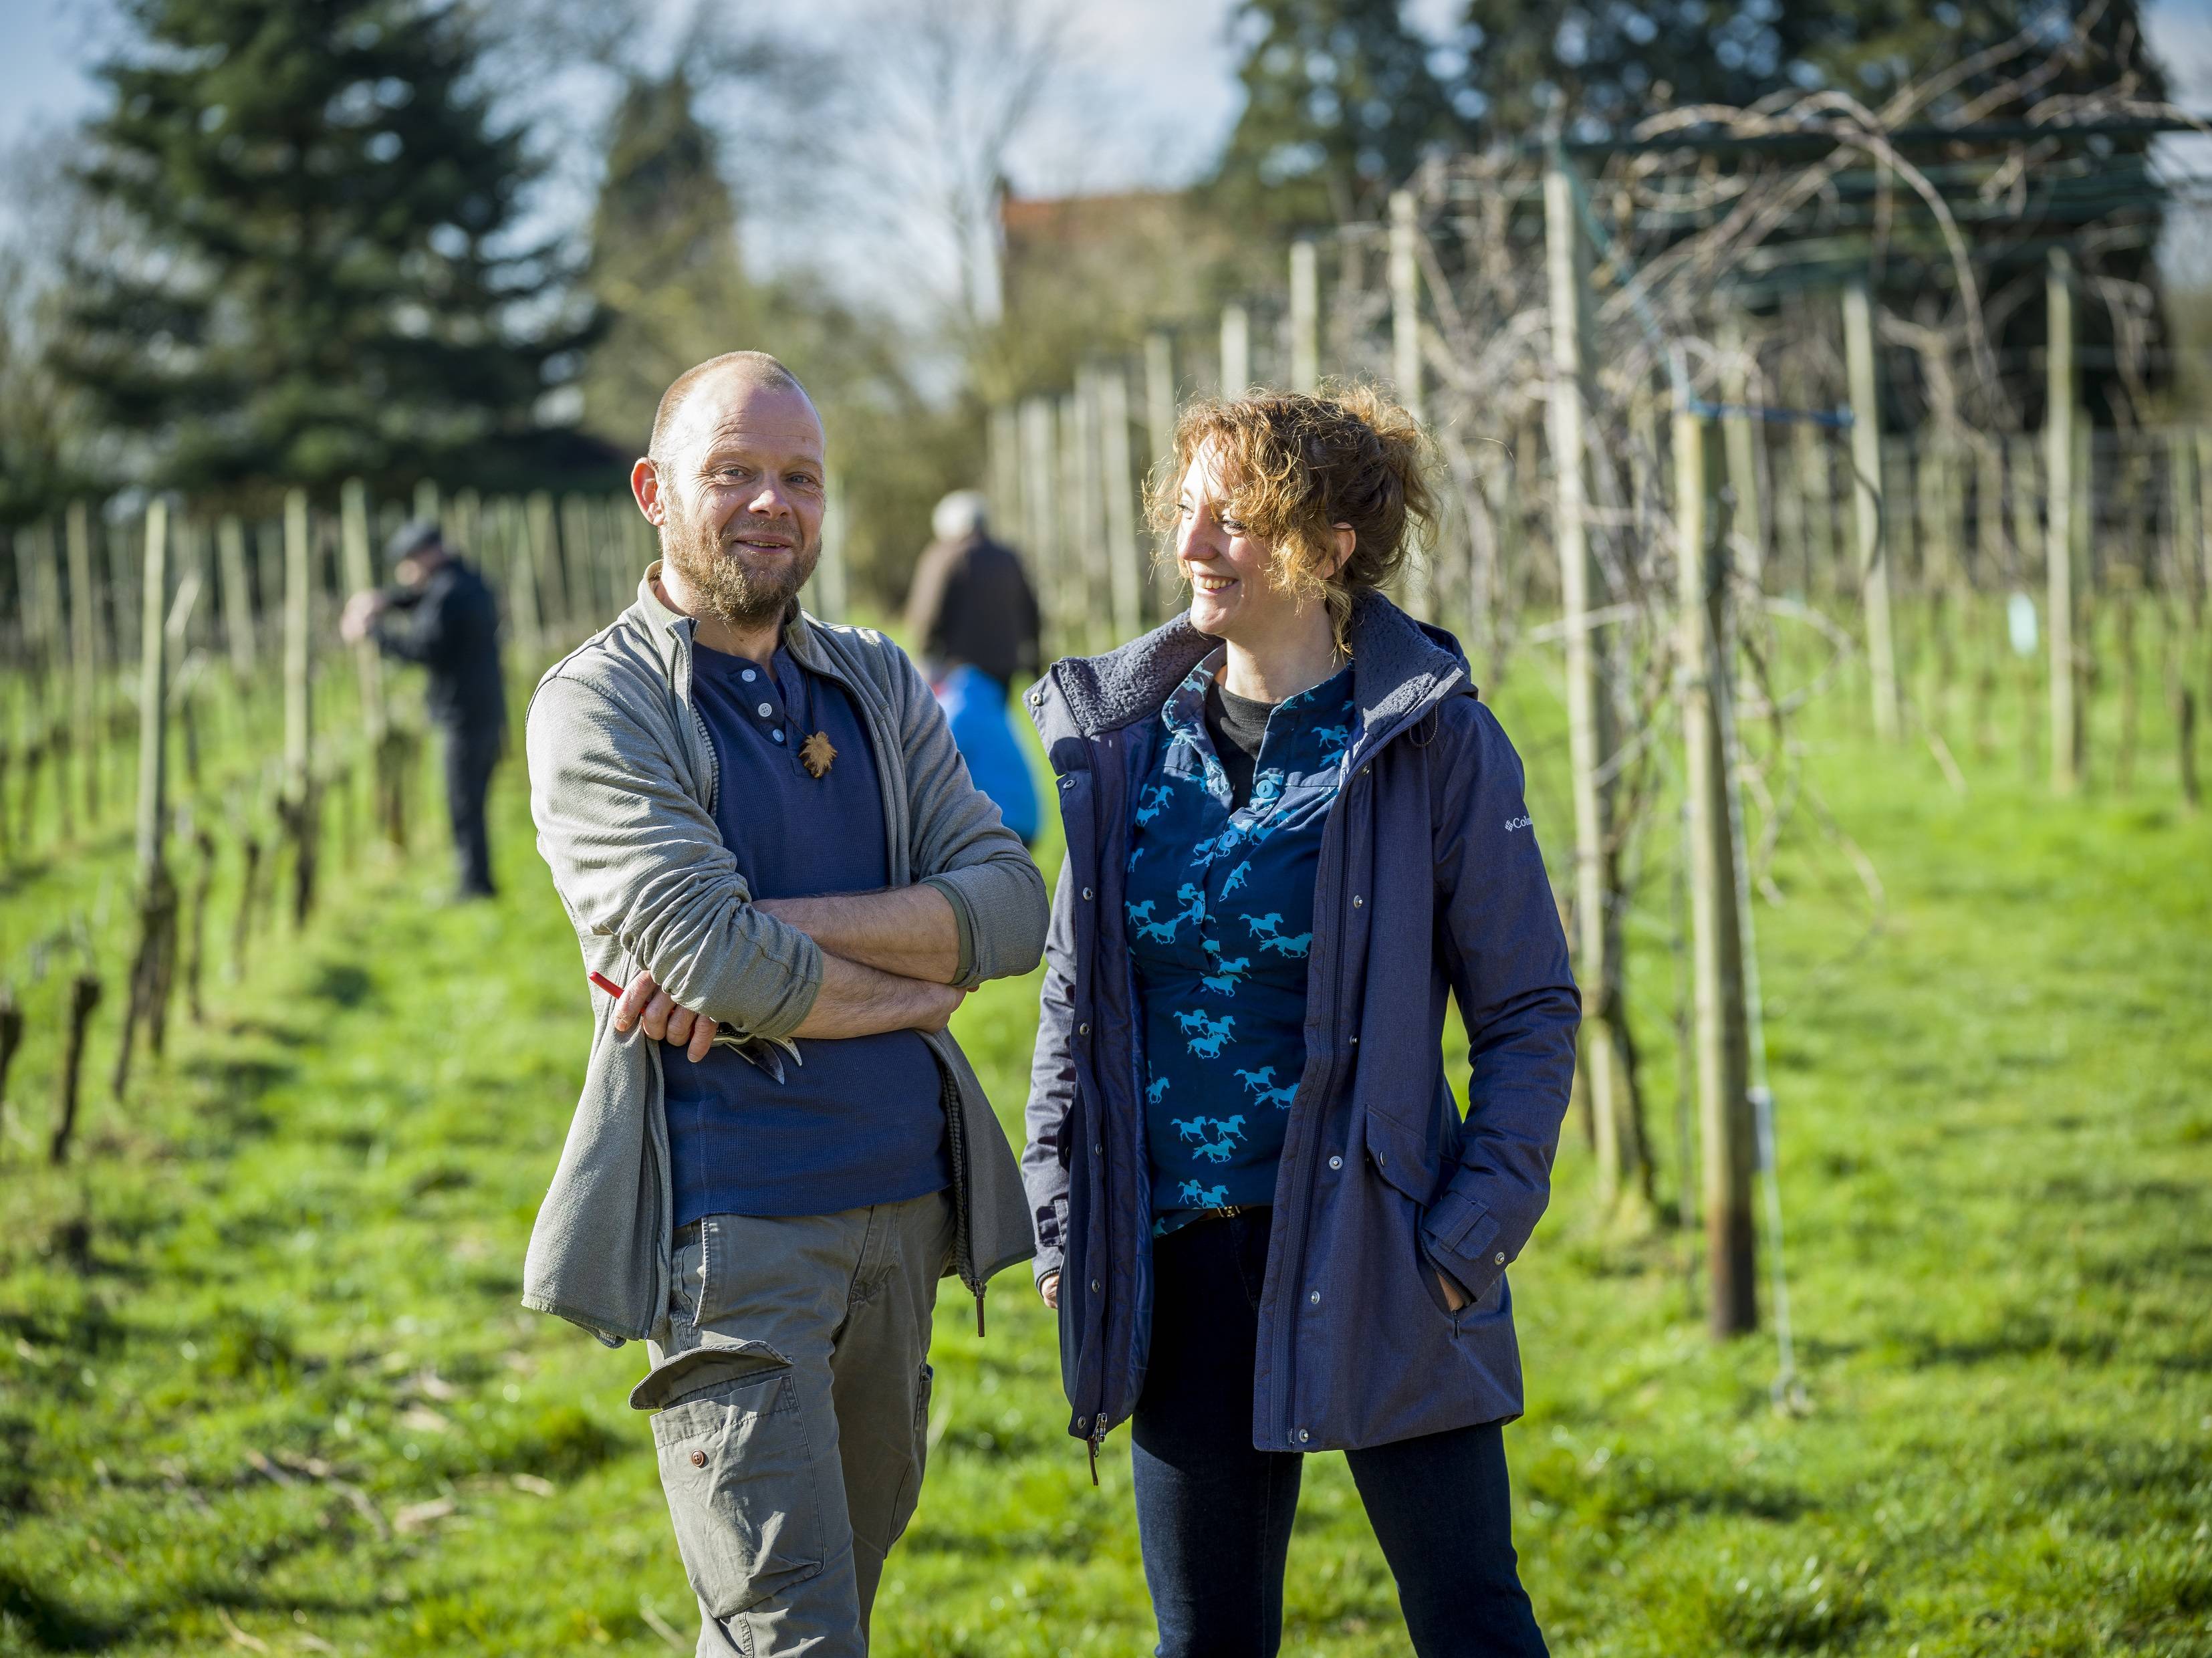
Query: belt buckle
[[1228, 1211]]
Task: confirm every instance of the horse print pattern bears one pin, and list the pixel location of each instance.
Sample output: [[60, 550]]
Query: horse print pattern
[[1213, 891]]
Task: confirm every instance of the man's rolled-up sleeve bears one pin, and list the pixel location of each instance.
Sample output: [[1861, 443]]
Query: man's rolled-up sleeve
[[636, 858]]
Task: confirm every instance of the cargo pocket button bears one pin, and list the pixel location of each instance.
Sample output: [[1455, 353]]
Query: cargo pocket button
[[698, 1459]]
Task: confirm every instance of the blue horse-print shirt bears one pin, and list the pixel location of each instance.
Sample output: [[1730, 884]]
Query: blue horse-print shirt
[[1220, 918]]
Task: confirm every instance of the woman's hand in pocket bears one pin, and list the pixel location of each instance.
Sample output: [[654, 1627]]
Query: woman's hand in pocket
[[1049, 1287], [1454, 1297]]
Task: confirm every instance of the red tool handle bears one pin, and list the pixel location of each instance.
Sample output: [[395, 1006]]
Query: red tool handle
[[606, 984]]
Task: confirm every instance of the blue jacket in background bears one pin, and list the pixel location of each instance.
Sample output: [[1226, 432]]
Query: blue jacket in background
[[1429, 884], [975, 708]]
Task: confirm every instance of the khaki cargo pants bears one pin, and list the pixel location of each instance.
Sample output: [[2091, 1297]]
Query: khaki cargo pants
[[792, 1373]]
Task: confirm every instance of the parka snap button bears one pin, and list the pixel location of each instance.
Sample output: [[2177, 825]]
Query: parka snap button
[[1304, 1435], [1315, 1297], [1086, 895], [1357, 900], [1082, 1421], [1336, 1162], [1499, 1258], [1097, 1147], [1094, 1286], [1083, 1030], [698, 1459]]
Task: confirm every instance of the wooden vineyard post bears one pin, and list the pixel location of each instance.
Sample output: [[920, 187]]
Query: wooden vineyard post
[[299, 808], [832, 586], [582, 548], [1078, 499], [1722, 1042], [84, 663], [1873, 556], [521, 581], [1235, 351], [1624, 1164], [1124, 556], [2185, 606], [84, 996], [2027, 532], [151, 970], [1002, 483], [2059, 519], [1159, 399], [1305, 315], [1405, 268], [237, 600], [1741, 438], [1040, 517], [555, 615], [387, 765]]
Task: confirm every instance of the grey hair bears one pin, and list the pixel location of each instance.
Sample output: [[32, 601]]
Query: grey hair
[[959, 515]]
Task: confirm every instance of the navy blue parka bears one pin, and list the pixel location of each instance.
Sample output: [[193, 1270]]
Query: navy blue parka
[[1430, 884]]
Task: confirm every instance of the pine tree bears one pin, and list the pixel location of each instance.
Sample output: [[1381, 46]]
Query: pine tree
[[319, 277], [1340, 105]]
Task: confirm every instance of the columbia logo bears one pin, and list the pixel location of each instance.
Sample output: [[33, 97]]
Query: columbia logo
[[1512, 823]]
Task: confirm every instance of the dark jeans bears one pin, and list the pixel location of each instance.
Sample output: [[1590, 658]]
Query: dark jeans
[[470, 757], [1214, 1516]]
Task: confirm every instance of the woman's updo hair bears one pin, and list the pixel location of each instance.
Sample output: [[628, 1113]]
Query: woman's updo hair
[[1295, 464]]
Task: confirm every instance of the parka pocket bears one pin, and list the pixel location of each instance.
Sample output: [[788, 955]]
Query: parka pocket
[[742, 1491]]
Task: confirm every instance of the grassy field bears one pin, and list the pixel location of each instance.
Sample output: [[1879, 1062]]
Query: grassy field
[[265, 1385]]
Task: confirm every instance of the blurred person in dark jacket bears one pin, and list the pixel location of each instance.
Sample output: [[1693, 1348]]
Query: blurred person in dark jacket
[[972, 602], [973, 619], [442, 616]]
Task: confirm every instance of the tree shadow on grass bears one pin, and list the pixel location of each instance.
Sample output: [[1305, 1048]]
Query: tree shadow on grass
[[342, 985], [48, 1623]]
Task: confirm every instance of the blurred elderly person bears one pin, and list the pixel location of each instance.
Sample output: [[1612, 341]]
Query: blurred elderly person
[[971, 603], [440, 615], [975, 620]]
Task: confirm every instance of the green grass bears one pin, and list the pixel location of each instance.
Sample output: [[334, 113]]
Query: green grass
[[262, 1369]]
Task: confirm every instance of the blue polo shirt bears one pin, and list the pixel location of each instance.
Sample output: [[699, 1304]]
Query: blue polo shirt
[[860, 1122], [1220, 913]]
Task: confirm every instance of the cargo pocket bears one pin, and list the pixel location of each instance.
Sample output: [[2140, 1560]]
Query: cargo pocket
[[742, 1490], [909, 1493]]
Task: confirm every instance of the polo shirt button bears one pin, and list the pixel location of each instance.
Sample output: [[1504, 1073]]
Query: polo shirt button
[[1336, 1162], [749, 676], [1499, 1258], [768, 708], [778, 736]]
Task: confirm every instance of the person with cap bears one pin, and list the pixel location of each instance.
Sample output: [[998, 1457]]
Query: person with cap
[[442, 616], [974, 619]]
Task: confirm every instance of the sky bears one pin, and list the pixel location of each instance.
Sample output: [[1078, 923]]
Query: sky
[[1166, 67]]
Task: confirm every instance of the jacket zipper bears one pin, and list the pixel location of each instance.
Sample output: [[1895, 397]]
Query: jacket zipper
[[1286, 1366]]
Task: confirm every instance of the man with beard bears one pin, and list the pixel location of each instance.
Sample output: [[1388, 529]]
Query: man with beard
[[766, 841]]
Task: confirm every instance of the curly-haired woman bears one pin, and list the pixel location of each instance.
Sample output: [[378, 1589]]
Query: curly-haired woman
[[1292, 830]]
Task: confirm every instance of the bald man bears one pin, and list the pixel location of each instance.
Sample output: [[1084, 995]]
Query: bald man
[[767, 842]]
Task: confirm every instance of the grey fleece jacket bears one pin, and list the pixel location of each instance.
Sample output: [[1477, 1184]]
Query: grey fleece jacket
[[622, 778]]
